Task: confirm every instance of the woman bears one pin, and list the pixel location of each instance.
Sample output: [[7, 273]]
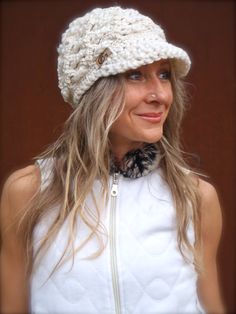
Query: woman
[[111, 219]]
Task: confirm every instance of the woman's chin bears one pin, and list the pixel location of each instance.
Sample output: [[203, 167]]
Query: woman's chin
[[151, 141], [152, 138]]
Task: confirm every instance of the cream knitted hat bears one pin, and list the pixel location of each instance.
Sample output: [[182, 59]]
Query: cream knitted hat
[[109, 41]]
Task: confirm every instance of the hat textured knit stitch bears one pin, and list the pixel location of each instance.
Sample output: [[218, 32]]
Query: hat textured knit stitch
[[109, 41]]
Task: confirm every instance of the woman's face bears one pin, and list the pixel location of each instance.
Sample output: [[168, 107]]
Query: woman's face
[[148, 97]]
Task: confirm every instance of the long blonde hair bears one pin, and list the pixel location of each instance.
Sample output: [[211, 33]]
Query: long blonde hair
[[82, 154]]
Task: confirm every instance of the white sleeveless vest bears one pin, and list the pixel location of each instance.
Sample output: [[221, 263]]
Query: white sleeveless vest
[[141, 270]]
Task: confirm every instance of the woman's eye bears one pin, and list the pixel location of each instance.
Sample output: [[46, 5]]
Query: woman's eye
[[165, 75], [134, 75]]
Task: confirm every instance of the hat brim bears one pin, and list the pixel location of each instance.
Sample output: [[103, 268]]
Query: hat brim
[[142, 53]]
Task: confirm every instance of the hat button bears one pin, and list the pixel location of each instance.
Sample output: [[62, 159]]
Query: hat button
[[103, 56]]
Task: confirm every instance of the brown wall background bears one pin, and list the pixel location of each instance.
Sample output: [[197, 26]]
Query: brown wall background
[[32, 110]]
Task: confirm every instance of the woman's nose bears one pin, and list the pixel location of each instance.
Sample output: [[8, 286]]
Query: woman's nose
[[156, 90]]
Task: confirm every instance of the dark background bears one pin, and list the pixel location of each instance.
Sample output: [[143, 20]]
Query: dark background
[[32, 110]]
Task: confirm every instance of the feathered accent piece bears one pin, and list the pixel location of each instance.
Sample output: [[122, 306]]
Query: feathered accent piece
[[138, 162]]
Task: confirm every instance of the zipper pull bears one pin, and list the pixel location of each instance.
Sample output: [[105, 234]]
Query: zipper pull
[[114, 188]]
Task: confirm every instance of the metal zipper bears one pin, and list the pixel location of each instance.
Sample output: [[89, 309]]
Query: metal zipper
[[113, 249]]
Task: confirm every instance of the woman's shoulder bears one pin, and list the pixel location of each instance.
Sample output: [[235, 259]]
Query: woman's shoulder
[[19, 189], [23, 181], [211, 213], [207, 191]]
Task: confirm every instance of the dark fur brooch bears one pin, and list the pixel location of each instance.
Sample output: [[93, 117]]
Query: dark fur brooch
[[138, 162]]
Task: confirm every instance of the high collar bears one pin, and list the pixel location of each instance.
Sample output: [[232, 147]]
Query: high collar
[[138, 162]]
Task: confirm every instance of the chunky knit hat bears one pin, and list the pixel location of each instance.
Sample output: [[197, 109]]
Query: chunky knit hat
[[109, 41]]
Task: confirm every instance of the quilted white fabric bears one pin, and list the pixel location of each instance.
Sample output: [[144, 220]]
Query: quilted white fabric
[[153, 277]]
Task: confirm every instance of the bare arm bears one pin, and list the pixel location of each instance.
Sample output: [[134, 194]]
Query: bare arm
[[18, 190], [208, 284]]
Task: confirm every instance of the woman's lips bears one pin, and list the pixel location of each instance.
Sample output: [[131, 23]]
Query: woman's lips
[[151, 116]]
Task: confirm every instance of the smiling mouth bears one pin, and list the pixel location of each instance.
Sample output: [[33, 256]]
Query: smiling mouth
[[151, 117]]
